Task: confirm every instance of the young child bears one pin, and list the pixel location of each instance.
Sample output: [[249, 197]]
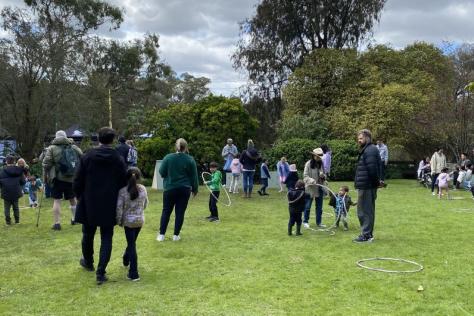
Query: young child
[[296, 200], [264, 176], [12, 181], [341, 203], [461, 176], [292, 178], [215, 187], [454, 176], [32, 186], [236, 168], [443, 182], [131, 204]]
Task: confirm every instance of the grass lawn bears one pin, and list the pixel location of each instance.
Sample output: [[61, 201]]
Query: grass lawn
[[248, 265]]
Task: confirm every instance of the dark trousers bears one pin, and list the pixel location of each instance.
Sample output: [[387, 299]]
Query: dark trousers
[[434, 177], [264, 182], [295, 217], [472, 191], [455, 179], [383, 170], [366, 211], [319, 208], [106, 235], [177, 199], [213, 203], [130, 255], [47, 190], [16, 210]]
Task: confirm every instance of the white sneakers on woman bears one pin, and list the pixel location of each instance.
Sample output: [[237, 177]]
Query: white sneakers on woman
[[162, 237]]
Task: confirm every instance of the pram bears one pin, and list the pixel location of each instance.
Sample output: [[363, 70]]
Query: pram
[[425, 178]]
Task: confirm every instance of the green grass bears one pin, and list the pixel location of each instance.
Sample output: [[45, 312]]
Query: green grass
[[247, 265]]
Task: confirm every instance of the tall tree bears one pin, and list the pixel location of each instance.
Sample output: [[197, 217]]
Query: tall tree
[[275, 41]]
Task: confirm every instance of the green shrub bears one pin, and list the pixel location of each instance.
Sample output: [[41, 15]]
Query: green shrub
[[151, 150], [296, 150], [344, 159]]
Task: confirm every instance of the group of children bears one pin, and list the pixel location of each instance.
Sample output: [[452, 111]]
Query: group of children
[[15, 180]]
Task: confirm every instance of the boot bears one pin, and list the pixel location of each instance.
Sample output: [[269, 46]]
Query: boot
[[290, 230], [298, 230]]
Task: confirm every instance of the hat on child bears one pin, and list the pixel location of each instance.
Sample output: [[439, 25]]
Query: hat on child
[[317, 152], [60, 134], [293, 167]]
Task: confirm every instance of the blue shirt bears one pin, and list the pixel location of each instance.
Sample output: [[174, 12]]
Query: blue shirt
[[383, 149]]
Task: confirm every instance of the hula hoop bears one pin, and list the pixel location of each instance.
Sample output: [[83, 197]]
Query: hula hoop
[[331, 232], [338, 218], [209, 189], [464, 210], [360, 263]]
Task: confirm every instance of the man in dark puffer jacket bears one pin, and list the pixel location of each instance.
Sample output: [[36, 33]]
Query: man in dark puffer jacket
[[367, 179]]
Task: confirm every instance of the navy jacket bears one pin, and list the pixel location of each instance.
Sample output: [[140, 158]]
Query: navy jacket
[[100, 176], [249, 159], [298, 197], [368, 171], [12, 181], [123, 149]]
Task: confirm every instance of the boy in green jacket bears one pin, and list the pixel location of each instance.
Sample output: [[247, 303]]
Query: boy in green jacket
[[215, 187]]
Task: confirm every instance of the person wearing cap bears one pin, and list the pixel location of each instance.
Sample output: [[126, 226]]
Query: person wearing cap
[[229, 153], [368, 178], [59, 176], [292, 178], [314, 177]]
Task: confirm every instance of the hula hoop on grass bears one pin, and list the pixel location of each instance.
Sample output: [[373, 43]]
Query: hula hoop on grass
[[419, 268], [464, 210], [209, 189]]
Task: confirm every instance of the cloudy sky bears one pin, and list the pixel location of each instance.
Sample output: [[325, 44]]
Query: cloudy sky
[[199, 36]]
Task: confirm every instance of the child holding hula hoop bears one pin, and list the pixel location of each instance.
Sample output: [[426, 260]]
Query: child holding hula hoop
[[296, 204], [215, 188]]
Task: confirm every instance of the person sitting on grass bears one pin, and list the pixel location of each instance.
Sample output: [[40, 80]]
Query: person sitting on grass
[[215, 187], [443, 182], [131, 204], [292, 178], [12, 181], [296, 205], [264, 176], [341, 203], [33, 186]]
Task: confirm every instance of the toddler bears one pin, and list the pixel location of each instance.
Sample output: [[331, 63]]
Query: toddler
[[341, 203]]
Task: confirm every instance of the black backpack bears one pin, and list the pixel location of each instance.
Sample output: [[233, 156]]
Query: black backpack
[[69, 161]]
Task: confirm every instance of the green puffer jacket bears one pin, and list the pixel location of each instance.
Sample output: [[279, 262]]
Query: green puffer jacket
[[52, 157]]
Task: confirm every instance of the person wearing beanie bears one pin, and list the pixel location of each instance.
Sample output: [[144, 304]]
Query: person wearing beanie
[[60, 162]]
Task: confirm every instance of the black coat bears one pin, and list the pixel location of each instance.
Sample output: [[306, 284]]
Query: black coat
[[297, 200], [368, 171], [100, 176], [291, 179], [12, 181], [249, 158], [123, 149]]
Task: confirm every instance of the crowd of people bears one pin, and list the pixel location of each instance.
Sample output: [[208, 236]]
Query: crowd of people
[[434, 173], [103, 189]]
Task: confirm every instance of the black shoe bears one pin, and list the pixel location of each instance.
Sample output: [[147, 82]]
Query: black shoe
[[260, 193], [8, 221], [298, 230], [73, 222], [214, 219], [208, 218], [88, 267], [133, 277], [17, 221], [266, 193], [101, 279], [125, 261], [56, 227], [362, 239]]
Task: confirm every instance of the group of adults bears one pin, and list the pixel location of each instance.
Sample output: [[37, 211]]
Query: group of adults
[[432, 167]]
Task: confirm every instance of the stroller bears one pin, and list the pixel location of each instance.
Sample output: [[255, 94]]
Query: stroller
[[425, 178]]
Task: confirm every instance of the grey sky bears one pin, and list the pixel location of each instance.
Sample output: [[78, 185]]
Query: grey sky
[[199, 36]]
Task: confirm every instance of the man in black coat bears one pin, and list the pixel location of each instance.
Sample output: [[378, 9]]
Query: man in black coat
[[368, 178], [101, 174]]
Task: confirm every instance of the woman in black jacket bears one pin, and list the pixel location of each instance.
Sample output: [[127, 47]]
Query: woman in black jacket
[[249, 159]]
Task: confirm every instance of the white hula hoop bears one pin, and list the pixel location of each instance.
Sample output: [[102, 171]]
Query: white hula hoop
[[330, 231], [360, 263], [335, 196], [464, 210], [209, 189]]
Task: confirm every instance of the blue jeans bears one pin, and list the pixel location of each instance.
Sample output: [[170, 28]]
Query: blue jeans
[[319, 208], [248, 181]]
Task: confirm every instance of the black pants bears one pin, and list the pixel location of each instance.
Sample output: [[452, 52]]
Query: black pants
[[264, 182], [366, 211], [383, 170], [177, 199], [213, 203], [434, 177], [130, 255], [295, 217], [455, 179], [106, 235], [16, 210]]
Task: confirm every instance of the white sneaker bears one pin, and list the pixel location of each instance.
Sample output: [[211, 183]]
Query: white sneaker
[[433, 193], [176, 238], [305, 225], [160, 237], [322, 226]]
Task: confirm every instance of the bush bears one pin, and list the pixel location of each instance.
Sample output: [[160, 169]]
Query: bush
[[344, 159], [149, 151], [296, 150]]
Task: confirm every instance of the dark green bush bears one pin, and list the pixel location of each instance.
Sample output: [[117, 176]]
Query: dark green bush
[[344, 159], [151, 150], [296, 150]]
